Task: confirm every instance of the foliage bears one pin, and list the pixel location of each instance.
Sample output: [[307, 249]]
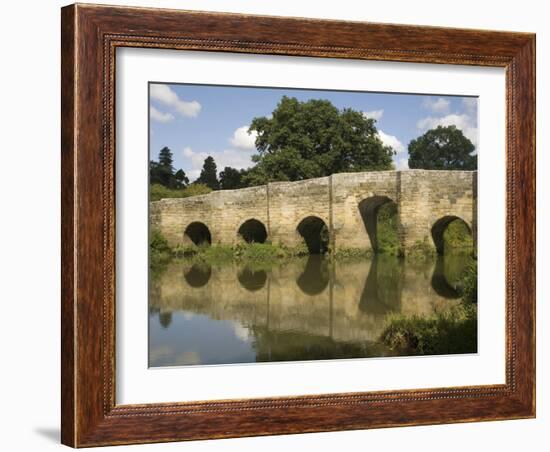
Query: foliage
[[158, 192], [468, 287], [457, 236], [209, 174], [215, 253], [181, 178], [387, 234], [352, 253], [421, 251], [231, 178], [442, 148], [162, 172], [260, 252], [160, 251], [452, 331], [309, 139], [196, 189]]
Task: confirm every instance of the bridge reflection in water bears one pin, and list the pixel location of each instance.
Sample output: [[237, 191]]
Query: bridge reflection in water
[[304, 309]]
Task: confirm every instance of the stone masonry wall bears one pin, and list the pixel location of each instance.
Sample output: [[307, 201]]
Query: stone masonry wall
[[423, 197]]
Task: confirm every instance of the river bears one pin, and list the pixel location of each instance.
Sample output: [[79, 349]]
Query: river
[[299, 309]]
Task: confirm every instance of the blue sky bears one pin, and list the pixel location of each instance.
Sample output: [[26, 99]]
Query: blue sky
[[196, 121]]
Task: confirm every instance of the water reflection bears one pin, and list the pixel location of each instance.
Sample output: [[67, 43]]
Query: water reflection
[[198, 275], [251, 279], [315, 277], [299, 310]]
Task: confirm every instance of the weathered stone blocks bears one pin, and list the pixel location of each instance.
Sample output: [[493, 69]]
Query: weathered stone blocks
[[345, 202]]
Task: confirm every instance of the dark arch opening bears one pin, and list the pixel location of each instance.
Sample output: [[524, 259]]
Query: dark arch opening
[[314, 231], [315, 277], [252, 280], [198, 275], [462, 232], [198, 233], [370, 208], [253, 231]]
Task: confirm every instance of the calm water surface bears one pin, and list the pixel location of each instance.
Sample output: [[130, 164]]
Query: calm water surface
[[304, 309]]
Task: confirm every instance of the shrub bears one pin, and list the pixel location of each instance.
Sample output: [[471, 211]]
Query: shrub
[[469, 283], [421, 251], [160, 251], [453, 331], [352, 253], [158, 192]]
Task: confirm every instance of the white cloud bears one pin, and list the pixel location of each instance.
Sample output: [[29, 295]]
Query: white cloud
[[374, 114], [241, 139], [228, 157], [402, 162], [159, 116], [167, 96], [438, 105], [470, 103], [463, 122], [391, 140]]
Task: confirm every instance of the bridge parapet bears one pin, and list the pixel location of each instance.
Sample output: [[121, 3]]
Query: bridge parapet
[[346, 203]]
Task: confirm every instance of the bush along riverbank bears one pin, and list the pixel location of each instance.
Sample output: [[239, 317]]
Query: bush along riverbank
[[449, 332]]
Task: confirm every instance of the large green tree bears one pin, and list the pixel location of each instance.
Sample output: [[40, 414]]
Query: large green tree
[[313, 139], [442, 148], [231, 178], [209, 174]]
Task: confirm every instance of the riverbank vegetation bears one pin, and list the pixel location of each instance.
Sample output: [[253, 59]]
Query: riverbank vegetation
[[158, 191], [448, 332]]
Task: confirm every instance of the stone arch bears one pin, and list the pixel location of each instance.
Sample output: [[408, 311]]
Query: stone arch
[[439, 228], [253, 231], [198, 233], [368, 208], [198, 275], [314, 232]]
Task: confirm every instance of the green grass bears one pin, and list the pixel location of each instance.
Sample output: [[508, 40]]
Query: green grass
[[158, 192], [352, 253], [449, 332]]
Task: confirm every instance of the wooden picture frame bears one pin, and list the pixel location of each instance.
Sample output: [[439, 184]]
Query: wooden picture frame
[[90, 36]]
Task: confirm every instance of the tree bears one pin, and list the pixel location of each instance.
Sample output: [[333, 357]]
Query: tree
[[231, 178], [442, 148], [313, 139], [209, 174], [181, 179], [165, 158], [162, 172]]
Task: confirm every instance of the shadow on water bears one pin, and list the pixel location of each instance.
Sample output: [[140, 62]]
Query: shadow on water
[[382, 291], [315, 277], [198, 275], [447, 274], [252, 280]]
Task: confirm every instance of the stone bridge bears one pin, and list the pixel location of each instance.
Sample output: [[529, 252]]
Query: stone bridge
[[343, 207]]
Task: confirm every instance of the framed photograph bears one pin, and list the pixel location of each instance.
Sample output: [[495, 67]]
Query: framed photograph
[[281, 225]]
